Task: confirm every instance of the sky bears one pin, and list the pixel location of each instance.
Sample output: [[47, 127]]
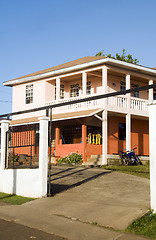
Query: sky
[[38, 34]]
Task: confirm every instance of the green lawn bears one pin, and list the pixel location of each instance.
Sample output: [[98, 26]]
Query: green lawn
[[145, 226], [14, 199], [140, 171]]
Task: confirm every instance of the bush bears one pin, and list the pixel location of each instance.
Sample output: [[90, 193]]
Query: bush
[[12, 156], [73, 158]]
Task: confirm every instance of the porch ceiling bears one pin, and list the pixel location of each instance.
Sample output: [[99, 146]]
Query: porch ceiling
[[58, 117]]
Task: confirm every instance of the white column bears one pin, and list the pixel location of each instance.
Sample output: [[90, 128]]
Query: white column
[[57, 88], [104, 117], [150, 96], [128, 86], [104, 137], [128, 131], [104, 79], [152, 148], [43, 155], [4, 129], [84, 83]]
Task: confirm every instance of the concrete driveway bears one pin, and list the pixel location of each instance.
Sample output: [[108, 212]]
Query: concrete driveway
[[90, 197], [94, 195]]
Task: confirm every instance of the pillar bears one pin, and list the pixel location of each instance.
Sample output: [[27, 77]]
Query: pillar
[[84, 141], [152, 148], [84, 83], [104, 137], [128, 86], [150, 96], [104, 117], [57, 88], [128, 131], [43, 155], [104, 79], [4, 129], [57, 139]]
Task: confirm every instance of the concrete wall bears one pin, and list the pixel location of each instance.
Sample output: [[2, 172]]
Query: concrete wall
[[18, 99], [26, 182], [139, 135], [18, 181]]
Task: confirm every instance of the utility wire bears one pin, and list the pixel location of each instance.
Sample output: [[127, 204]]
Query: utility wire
[[5, 101]]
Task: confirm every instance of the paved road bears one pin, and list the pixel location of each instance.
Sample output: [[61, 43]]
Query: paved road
[[13, 231]]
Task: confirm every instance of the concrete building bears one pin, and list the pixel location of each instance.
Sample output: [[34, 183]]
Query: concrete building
[[98, 127]]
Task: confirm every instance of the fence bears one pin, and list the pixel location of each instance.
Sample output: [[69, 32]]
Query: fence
[[22, 147]]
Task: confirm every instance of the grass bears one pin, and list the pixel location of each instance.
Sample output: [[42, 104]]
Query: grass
[[145, 226], [14, 199], [140, 170]]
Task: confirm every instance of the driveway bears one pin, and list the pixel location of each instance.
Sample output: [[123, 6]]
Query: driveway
[[85, 201]]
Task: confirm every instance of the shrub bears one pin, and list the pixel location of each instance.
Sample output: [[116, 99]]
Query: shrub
[[73, 158], [12, 156]]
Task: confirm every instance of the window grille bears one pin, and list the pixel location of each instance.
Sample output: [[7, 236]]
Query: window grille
[[74, 90], [71, 134], [135, 94], [61, 91], [29, 94], [122, 86], [89, 87]]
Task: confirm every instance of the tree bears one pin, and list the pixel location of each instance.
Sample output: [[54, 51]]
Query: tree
[[126, 58]]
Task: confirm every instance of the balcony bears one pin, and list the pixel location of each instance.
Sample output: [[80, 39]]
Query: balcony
[[116, 104]]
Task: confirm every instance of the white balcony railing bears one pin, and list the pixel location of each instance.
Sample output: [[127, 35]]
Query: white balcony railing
[[138, 104], [116, 103]]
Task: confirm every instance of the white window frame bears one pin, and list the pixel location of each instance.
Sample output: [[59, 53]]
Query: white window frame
[[122, 85], [135, 94], [74, 90], [29, 94]]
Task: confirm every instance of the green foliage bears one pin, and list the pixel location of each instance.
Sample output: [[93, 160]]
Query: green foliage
[[73, 158], [123, 57], [14, 199], [145, 225], [12, 156], [140, 170]]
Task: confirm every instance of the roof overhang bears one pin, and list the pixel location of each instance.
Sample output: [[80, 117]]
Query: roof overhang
[[107, 60]]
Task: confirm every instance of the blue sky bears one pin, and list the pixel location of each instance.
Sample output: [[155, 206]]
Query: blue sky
[[37, 34]]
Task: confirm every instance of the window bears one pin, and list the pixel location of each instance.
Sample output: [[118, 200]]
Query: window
[[61, 91], [135, 94], [71, 134], [29, 94], [122, 86], [89, 87], [74, 90], [122, 131], [154, 94]]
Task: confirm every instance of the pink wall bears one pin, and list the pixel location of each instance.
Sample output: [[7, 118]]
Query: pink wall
[[19, 99]]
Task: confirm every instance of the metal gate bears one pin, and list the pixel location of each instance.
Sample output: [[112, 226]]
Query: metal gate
[[22, 147]]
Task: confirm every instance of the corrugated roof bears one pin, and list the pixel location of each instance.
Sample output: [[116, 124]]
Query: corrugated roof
[[65, 65]]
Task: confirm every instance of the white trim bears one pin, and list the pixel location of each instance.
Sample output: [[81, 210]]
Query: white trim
[[77, 67]]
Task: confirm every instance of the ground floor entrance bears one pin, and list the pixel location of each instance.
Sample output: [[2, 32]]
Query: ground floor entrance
[[89, 136]]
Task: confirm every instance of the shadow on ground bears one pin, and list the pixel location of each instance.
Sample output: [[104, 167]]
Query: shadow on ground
[[64, 178]]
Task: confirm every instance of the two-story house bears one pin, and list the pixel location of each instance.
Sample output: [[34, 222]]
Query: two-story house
[[97, 127]]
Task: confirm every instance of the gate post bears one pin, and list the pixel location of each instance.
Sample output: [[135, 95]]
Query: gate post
[[152, 142], [43, 154], [4, 129]]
